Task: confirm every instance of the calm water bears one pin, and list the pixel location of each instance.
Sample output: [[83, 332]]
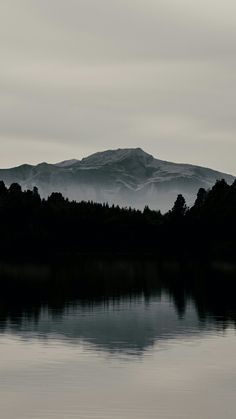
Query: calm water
[[162, 354]]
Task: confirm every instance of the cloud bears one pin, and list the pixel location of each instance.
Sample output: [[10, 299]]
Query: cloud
[[82, 75]]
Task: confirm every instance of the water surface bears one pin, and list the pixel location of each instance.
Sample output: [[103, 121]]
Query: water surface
[[166, 353]]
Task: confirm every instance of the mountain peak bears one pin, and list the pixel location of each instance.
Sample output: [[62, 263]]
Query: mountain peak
[[113, 156]]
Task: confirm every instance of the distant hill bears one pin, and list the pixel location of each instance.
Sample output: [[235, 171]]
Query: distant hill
[[128, 177]]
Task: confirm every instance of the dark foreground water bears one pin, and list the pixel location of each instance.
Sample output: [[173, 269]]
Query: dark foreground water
[[163, 351]]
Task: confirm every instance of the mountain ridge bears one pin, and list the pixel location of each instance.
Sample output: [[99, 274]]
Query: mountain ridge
[[128, 177]]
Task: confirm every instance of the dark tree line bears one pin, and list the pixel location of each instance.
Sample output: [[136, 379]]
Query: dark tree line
[[35, 227]]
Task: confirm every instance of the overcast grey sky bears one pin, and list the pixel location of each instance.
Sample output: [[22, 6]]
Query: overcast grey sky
[[78, 76]]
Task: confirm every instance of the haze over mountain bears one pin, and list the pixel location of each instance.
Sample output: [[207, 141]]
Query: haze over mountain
[[128, 177]]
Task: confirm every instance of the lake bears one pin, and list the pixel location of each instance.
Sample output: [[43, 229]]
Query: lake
[[163, 351]]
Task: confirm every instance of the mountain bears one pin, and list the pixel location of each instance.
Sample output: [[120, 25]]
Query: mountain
[[128, 177], [67, 163]]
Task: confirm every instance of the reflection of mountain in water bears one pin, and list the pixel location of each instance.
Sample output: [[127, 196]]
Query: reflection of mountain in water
[[116, 304], [124, 326], [128, 325]]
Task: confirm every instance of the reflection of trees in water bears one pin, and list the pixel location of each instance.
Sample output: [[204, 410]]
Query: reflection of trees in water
[[92, 282]]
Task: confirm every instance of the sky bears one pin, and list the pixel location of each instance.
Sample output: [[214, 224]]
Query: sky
[[80, 76]]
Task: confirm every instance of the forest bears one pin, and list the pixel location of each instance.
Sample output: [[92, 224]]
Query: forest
[[35, 228]]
